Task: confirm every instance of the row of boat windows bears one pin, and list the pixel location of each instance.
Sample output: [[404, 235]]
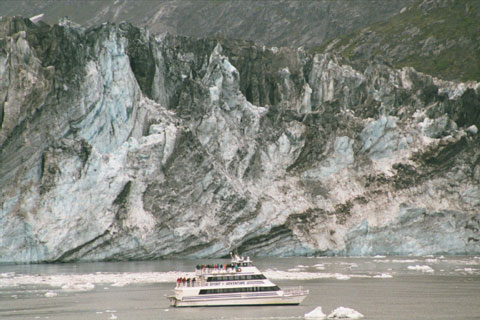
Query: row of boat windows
[[237, 278], [233, 290]]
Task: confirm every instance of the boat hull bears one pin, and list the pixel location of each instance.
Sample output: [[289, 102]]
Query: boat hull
[[235, 300]]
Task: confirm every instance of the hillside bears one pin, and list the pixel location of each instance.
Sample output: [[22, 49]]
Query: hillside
[[270, 22], [441, 38]]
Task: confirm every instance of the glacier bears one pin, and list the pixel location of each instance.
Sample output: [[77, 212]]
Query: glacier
[[117, 144]]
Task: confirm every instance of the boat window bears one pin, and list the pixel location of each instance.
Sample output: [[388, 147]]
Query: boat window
[[236, 278], [235, 290]]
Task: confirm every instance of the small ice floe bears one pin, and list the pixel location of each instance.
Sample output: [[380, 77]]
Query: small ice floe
[[339, 276], [78, 286], [417, 267], [467, 270], [349, 264], [7, 274], [345, 313], [51, 294], [300, 267], [405, 261], [383, 276], [120, 283], [381, 261], [316, 313]]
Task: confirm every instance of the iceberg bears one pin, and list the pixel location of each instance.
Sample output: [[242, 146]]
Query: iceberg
[[316, 313], [345, 313]]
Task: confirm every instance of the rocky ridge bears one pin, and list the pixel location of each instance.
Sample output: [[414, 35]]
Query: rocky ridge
[[117, 144]]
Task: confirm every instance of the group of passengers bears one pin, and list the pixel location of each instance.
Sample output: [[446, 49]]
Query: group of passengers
[[186, 282]]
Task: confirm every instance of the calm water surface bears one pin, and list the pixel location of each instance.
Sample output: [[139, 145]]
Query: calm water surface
[[377, 287]]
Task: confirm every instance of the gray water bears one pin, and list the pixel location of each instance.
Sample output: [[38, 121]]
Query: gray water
[[377, 287]]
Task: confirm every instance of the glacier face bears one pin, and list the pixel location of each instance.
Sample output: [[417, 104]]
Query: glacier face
[[117, 144]]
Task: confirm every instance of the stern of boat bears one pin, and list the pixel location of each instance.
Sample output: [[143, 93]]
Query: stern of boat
[[295, 294], [173, 301]]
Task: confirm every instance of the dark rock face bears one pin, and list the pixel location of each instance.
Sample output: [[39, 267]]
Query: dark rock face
[[116, 144]]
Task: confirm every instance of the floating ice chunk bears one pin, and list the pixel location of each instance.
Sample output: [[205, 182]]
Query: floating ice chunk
[[316, 313], [7, 274], [84, 282], [467, 270], [78, 286], [120, 283], [383, 276], [302, 275], [51, 294], [381, 261], [345, 313], [421, 268], [404, 261]]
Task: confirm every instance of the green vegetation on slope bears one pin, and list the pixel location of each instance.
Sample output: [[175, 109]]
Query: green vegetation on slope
[[438, 38]]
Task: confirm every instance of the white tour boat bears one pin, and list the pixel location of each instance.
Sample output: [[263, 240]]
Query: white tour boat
[[238, 283]]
